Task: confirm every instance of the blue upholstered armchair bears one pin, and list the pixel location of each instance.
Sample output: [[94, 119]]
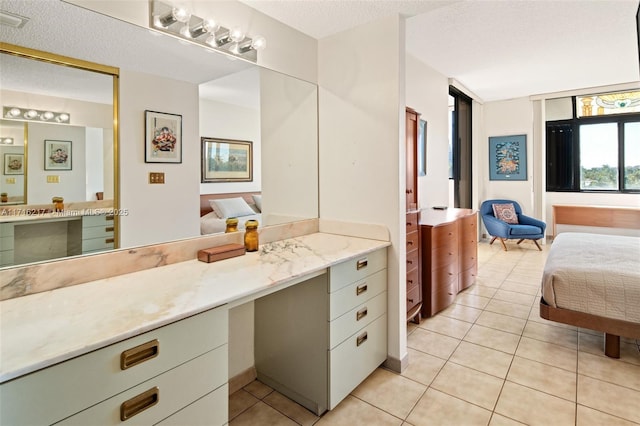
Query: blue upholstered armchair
[[527, 228]]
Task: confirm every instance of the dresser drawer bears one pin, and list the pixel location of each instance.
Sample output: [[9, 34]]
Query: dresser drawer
[[412, 222], [469, 227], [437, 301], [97, 220], [413, 278], [210, 410], [413, 259], [467, 278], [412, 241], [353, 360], [71, 386], [349, 297], [444, 235], [413, 297], [355, 269], [468, 255], [443, 256], [158, 398], [349, 323], [442, 277]]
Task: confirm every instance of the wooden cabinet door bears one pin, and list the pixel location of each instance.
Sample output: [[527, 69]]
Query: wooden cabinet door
[[412, 158]]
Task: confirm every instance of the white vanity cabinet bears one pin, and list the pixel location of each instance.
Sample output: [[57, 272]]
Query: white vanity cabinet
[[176, 374], [6, 244], [318, 340], [97, 233]]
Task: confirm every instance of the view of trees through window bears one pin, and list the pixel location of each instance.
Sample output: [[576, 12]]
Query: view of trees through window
[[632, 155], [599, 156]]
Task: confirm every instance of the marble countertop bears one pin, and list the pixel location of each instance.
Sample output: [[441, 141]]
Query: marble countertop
[[43, 329]]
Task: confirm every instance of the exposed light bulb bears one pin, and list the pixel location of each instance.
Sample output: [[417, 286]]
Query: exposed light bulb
[[14, 112], [62, 118], [236, 35], [185, 32], [7, 141], [47, 115], [177, 14], [259, 42], [181, 14], [31, 114], [206, 26]]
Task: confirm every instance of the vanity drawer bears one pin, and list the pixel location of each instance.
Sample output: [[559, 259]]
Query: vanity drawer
[[6, 258], [6, 243], [349, 323], [210, 410], [353, 360], [97, 232], [6, 230], [355, 294], [160, 397], [71, 386], [355, 269], [95, 244], [97, 220]]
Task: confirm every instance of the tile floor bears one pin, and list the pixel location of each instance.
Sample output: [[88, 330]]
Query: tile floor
[[489, 359]]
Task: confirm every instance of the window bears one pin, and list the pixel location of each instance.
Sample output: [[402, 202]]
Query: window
[[594, 152]]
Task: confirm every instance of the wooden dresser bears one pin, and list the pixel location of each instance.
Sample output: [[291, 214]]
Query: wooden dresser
[[449, 255], [414, 289]]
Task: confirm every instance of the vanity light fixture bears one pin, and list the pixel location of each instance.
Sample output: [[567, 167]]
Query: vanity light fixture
[[6, 141], [181, 23], [30, 114]]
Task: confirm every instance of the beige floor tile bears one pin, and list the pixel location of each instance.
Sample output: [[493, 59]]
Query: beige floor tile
[[262, 414], [481, 290], [589, 417], [501, 322], [432, 343], [472, 300], [490, 281], [514, 297], [469, 385], [517, 287], [461, 312], [500, 420], [239, 402], [291, 409], [354, 412], [483, 359], [534, 315], [492, 338], [258, 389], [609, 370], [436, 408], [609, 398], [548, 353], [542, 377], [390, 392], [525, 405], [411, 326], [594, 344], [508, 308], [548, 333], [423, 368], [445, 325], [524, 278]]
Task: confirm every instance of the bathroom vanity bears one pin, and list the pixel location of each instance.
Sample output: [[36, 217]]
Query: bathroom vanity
[[152, 346]]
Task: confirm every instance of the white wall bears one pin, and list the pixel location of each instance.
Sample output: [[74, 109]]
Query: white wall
[[94, 164], [225, 121], [362, 171], [157, 213], [15, 130], [428, 93]]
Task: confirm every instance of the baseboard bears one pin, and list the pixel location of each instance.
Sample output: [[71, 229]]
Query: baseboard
[[241, 380], [395, 364]]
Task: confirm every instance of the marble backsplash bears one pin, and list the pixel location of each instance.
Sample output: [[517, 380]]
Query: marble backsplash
[[35, 278]]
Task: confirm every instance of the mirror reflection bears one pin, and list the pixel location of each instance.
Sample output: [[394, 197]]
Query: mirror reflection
[[235, 100], [13, 184]]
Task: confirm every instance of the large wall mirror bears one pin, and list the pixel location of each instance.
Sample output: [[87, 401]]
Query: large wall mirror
[[235, 101]]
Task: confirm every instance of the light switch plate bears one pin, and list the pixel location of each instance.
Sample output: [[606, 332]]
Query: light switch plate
[[53, 179], [11, 180], [156, 177]]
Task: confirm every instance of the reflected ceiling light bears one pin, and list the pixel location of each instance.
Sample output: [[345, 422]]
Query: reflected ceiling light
[[233, 41], [30, 114], [6, 141]]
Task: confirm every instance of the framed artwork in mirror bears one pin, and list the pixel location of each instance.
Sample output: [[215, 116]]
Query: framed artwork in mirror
[[163, 137], [226, 160], [422, 148], [508, 157], [57, 155], [13, 164]]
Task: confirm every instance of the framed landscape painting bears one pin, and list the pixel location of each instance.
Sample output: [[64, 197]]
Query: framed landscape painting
[[508, 157], [226, 160]]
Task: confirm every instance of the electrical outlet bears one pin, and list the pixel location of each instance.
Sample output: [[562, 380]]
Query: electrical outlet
[[11, 180], [53, 179], [156, 177]]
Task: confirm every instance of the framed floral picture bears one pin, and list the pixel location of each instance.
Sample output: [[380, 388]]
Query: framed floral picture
[[508, 157], [163, 137], [13, 164], [226, 160], [57, 155]]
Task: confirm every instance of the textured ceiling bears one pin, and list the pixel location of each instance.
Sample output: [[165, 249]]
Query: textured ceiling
[[497, 49]]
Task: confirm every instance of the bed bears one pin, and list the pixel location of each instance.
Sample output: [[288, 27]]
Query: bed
[[216, 208], [593, 281]]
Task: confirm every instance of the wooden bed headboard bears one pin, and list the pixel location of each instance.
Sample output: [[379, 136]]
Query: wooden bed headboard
[[603, 216], [205, 206]]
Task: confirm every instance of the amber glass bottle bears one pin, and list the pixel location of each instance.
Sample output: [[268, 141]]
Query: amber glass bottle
[[251, 235], [232, 224]]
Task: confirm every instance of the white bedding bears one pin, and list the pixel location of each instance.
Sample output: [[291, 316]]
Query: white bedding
[[595, 274], [212, 224]]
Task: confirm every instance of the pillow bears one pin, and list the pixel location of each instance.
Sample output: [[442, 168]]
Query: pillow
[[257, 199], [231, 207], [506, 213]]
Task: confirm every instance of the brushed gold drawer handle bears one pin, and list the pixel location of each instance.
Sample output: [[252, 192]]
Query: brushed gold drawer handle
[[361, 313], [361, 338], [362, 264], [361, 289], [110, 217], [109, 229], [109, 240], [139, 403], [139, 354]]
